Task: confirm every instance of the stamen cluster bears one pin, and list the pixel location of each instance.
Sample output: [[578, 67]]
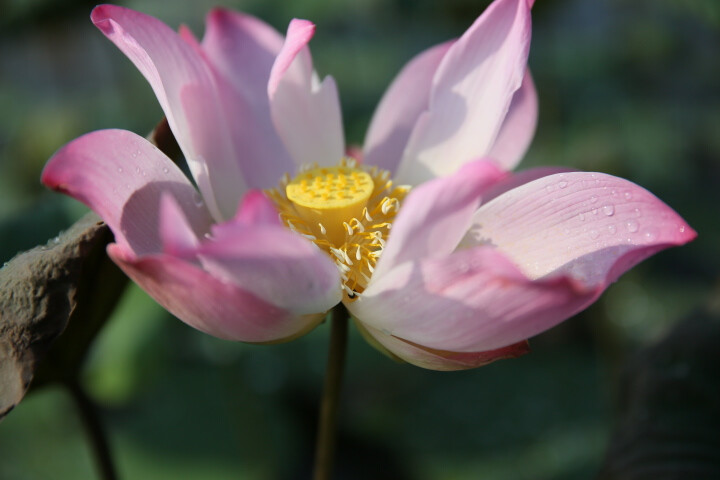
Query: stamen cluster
[[354, 240]]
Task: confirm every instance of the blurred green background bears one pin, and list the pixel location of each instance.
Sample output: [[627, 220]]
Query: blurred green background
[[626, 87]]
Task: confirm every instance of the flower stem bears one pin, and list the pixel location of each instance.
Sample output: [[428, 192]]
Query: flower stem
[[325, 444], [94, 429]]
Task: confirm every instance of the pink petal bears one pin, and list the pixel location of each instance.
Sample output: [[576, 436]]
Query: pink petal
[[306, 112], [439, 359], [522, 177], [187, 92], [273, 264], [406, 98], [208, 304], [588, 225], [176, 233], [257, 209], [518, 129], [435, 215], [471, 301], [471, 93], [241, 50], [121, 176]]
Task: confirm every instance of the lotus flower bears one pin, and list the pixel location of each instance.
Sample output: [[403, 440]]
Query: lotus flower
[[443, 258]]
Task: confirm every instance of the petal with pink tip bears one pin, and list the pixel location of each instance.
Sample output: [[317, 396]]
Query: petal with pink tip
[[471, 93], [242, 50], [208, 304], [273, 264], [518, 128], [305, 111], [403, 102], [187, 92], [435, 215], [121, 176], [441, 360], [591, 226], [471, 301]]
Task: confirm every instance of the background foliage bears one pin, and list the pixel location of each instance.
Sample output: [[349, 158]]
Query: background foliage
[[627, 87]]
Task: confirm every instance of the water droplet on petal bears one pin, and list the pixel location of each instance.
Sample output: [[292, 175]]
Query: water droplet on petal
[[682, 229], [197, 199], [581, 217], [612, 229], [594, 211], [638, 214], [120, 170], [562, 184], [628, 195], [594, 234], [166, 170], [593, 199], [632, 226], [650, 235], [608, 210]]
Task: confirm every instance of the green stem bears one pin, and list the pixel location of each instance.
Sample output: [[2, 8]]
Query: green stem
[[91, 421], [325, 445]]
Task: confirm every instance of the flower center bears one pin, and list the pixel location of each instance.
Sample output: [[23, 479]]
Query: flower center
[[346, 210], [326, 197]]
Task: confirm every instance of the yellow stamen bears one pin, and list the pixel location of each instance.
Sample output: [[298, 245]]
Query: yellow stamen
[[345, 210]]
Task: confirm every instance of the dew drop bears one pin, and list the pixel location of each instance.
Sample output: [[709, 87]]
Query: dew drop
[[549, 188], [627, 195], [166, 170], [614, 193], [637, 213], [120, 169], [197, 199], [632, 226], [608, 210], [593, 199], [612, 229], [594, 211], [137, 169], [562, 184], [682, 229], [594, 234], [650, 235], [581, 217]]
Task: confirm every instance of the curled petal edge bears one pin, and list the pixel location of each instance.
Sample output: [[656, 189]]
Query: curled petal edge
[[403, 350]]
